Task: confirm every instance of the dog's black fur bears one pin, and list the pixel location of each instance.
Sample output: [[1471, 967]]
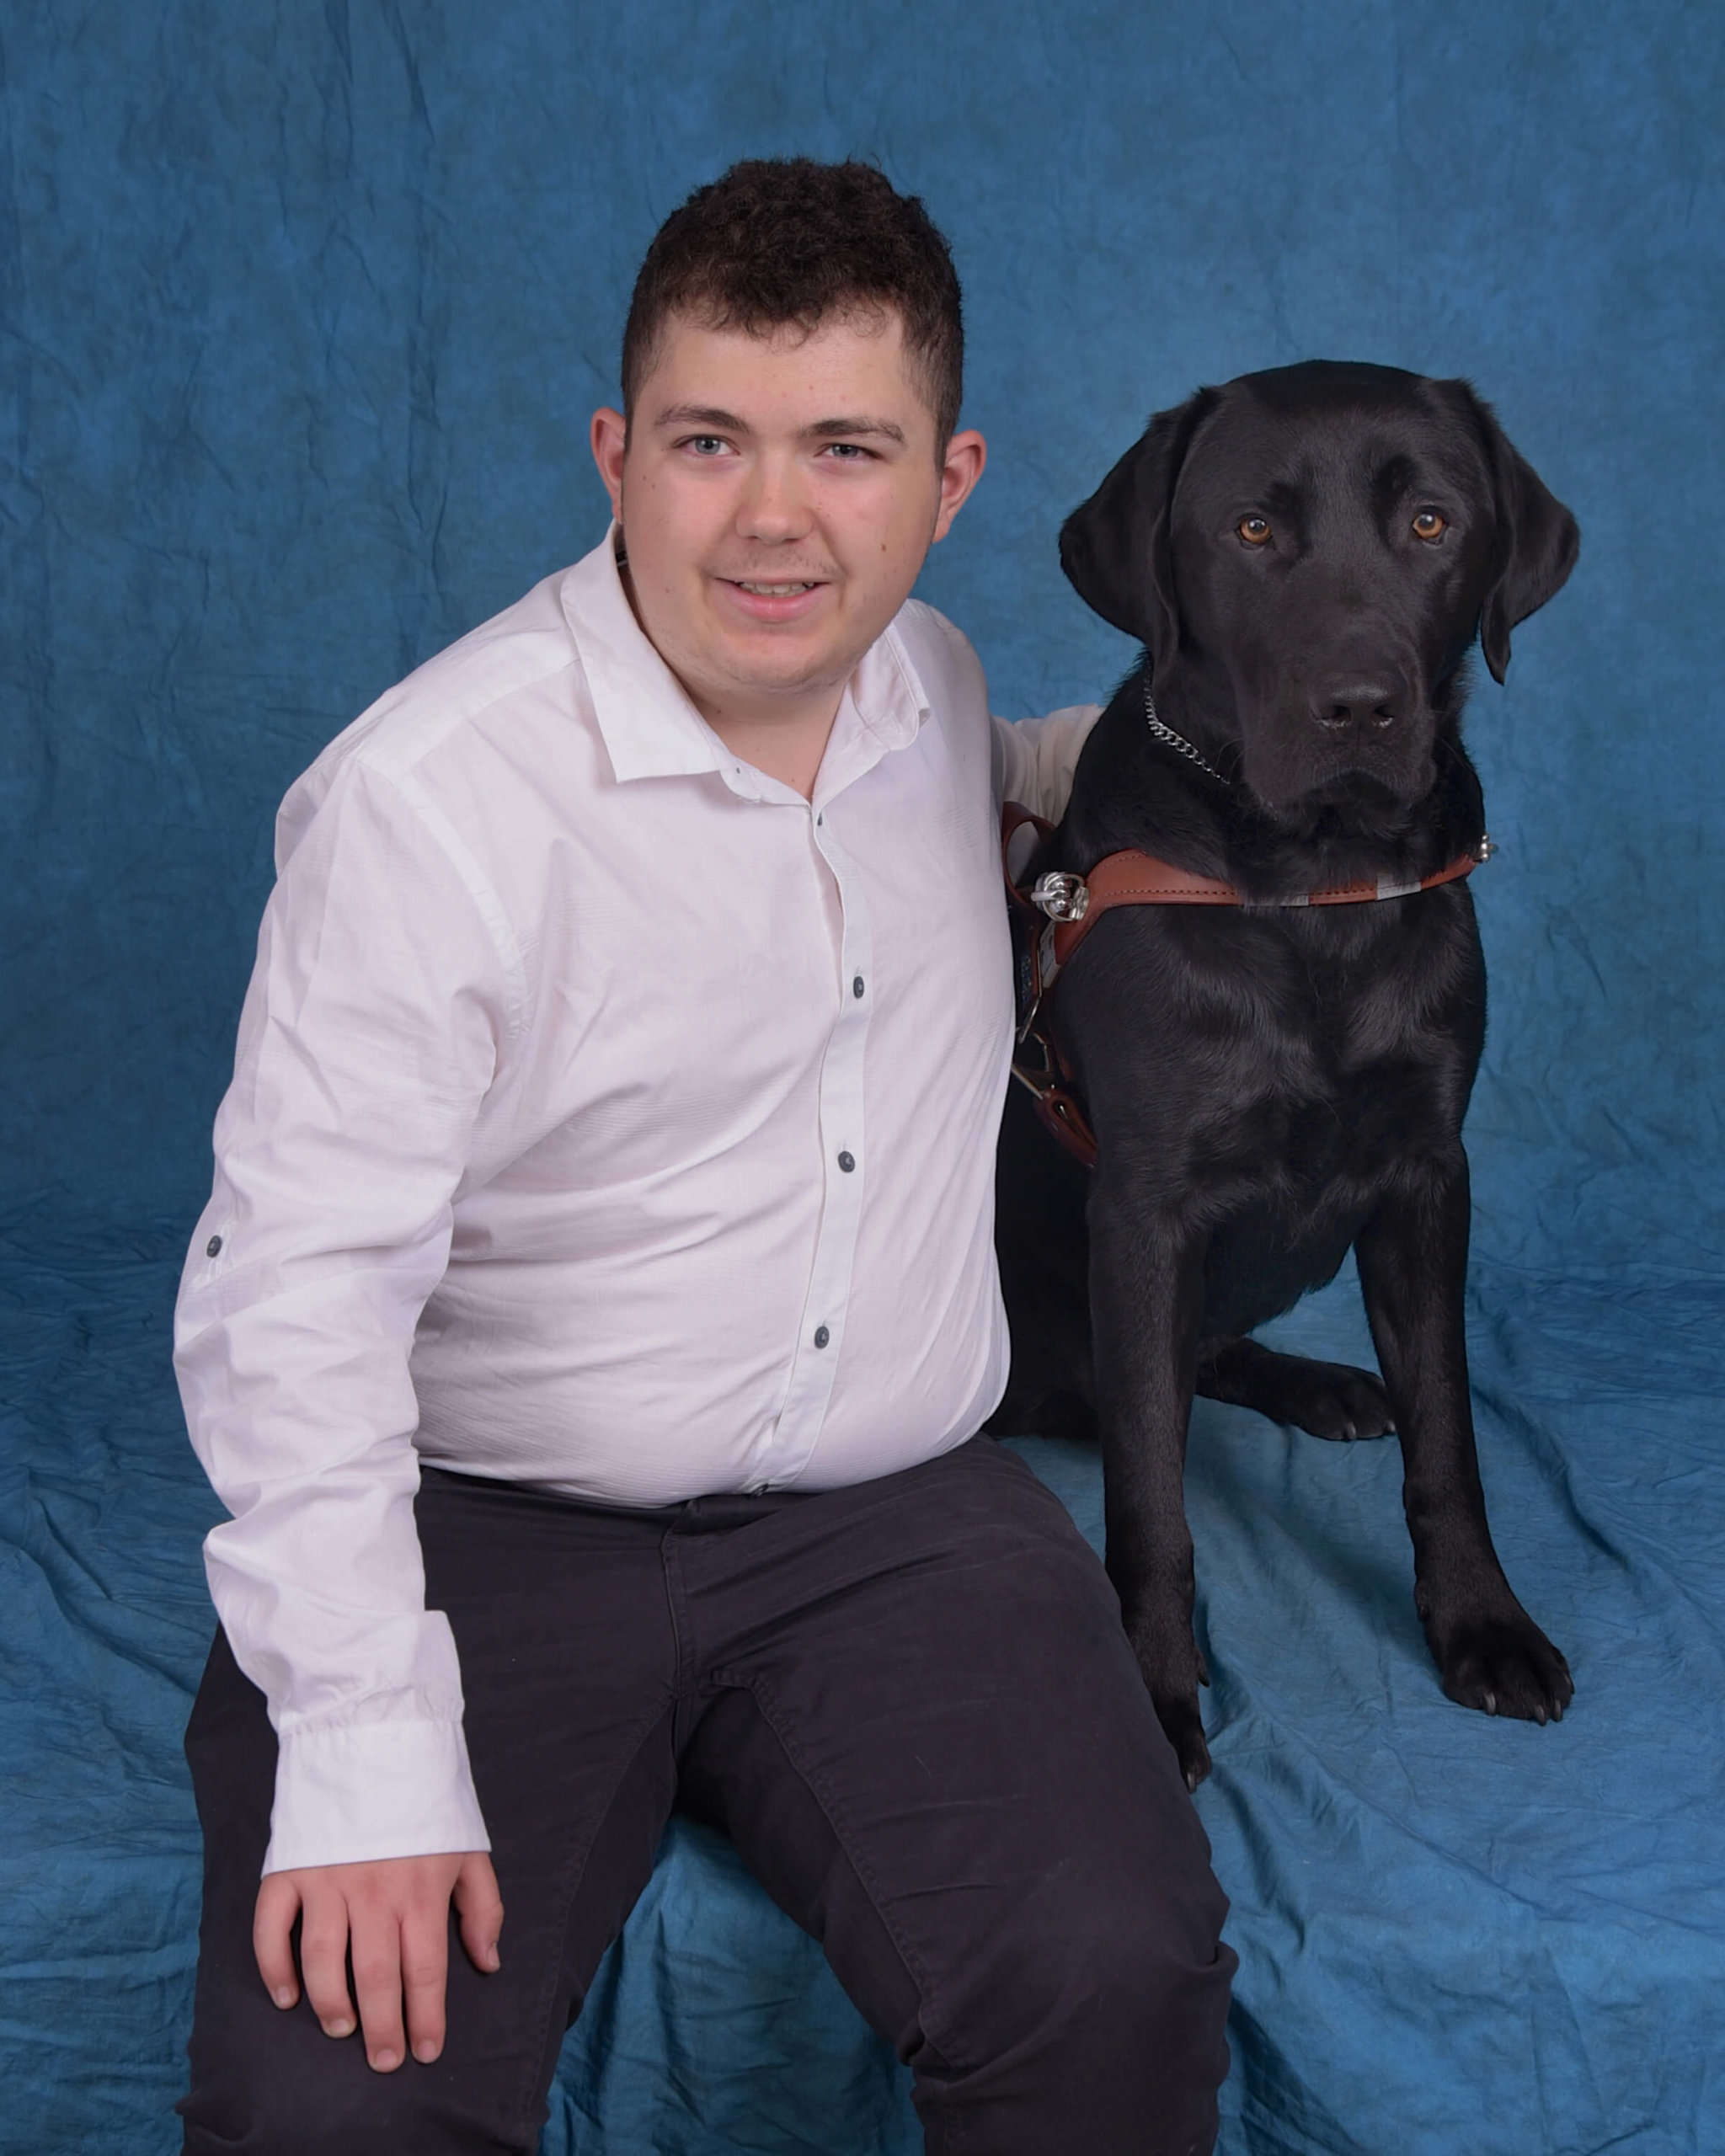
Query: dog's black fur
[[1269, 1088]]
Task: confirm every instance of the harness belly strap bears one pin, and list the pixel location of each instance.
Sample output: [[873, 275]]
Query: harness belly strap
[[1053, 918]]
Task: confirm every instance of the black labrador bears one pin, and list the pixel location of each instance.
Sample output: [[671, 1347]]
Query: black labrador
[[1307, 555]]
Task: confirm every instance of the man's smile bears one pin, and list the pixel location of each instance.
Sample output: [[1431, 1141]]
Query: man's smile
[[769, 601]]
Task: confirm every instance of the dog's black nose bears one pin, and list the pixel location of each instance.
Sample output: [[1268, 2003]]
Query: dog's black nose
[[1356, 703]]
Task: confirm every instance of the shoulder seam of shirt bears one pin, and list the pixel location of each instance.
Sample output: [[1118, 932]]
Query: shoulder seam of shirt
[[402, 749]]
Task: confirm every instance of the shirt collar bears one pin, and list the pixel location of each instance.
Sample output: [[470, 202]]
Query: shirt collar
[[652, 730]]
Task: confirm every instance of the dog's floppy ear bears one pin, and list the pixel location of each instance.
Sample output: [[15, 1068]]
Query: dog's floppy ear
[[1536, 543], [1114, 548]]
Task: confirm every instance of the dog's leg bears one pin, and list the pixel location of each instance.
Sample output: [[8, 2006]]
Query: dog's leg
[[1413, 1256], [1146, 1286], [1329, 1400]]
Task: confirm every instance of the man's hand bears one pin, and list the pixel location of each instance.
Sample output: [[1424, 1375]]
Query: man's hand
[[396, 1911]]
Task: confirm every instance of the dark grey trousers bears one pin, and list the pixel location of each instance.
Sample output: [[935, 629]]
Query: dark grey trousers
[[910, 1703]]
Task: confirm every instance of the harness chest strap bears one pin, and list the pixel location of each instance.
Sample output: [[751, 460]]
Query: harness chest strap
[[1059, 910], [1132, 878]]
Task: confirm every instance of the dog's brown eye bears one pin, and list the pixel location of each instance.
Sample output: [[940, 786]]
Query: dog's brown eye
[[1428, 524], [1254, 530]]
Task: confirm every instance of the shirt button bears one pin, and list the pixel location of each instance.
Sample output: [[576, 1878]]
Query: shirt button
[[821, 1336], [856, 985], [847, 1163], [213, 1247]]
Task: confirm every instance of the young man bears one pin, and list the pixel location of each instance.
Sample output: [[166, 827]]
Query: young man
[[596, 1303]]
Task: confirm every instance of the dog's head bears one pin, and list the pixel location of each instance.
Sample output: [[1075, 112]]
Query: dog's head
[[1309, 553]]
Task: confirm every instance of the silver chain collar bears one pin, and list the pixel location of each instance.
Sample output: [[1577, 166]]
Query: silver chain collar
[[1178, 742]]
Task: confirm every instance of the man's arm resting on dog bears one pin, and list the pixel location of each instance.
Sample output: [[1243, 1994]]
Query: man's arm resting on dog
[[371, 1031], [1035, 757]]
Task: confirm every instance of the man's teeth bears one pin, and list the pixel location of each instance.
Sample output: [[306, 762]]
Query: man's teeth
[[775, 590]]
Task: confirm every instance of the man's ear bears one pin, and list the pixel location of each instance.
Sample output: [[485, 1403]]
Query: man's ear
[[1537, 540], [1114, 548]]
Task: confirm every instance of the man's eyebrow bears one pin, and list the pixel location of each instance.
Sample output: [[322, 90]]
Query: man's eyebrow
[[832, 429], [702, 415]]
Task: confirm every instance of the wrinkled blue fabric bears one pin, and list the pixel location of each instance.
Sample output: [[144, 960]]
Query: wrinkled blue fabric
[[302, 312]]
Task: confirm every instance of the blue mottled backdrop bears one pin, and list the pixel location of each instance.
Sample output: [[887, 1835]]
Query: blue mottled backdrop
[[302, 312]]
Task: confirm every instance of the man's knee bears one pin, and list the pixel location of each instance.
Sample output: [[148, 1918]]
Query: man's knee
[[1110, 1968], [1095, 2019], [1118, 1959]]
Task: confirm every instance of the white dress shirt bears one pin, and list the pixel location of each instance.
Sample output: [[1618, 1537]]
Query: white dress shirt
[[605, 1116]]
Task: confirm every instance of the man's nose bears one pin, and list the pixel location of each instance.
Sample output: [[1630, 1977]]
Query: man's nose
[[1358, 703], [774, 504]]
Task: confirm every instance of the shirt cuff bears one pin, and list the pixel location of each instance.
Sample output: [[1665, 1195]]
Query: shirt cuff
[[362, 1791]]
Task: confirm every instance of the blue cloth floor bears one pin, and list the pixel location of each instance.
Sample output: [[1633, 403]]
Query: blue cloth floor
[[1457, 1934]]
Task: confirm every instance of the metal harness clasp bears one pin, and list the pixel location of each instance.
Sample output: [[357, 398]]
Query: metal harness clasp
[[1061, 897]]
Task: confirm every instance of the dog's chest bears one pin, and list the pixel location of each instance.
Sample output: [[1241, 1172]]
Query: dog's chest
[[1332, 1050]]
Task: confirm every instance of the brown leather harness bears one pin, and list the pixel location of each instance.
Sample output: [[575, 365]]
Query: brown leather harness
[[1054, 916]]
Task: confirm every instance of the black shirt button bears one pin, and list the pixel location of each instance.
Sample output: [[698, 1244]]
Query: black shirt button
[[856, 985], [847, 1163], [213, 1247], [821, 1336]]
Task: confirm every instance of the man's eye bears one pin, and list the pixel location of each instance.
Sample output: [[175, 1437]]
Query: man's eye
[[846, 452], [706, 444]]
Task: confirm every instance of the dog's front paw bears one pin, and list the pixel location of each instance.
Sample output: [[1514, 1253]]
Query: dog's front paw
[[1172, 1676], [1503, 1664], [1183, 1725]]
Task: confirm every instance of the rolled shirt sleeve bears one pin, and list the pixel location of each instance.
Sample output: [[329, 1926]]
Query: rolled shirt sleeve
[[372, 1029], [1035, 757]]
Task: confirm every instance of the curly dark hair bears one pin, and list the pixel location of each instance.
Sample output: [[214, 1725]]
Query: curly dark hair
[[782, 240]]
